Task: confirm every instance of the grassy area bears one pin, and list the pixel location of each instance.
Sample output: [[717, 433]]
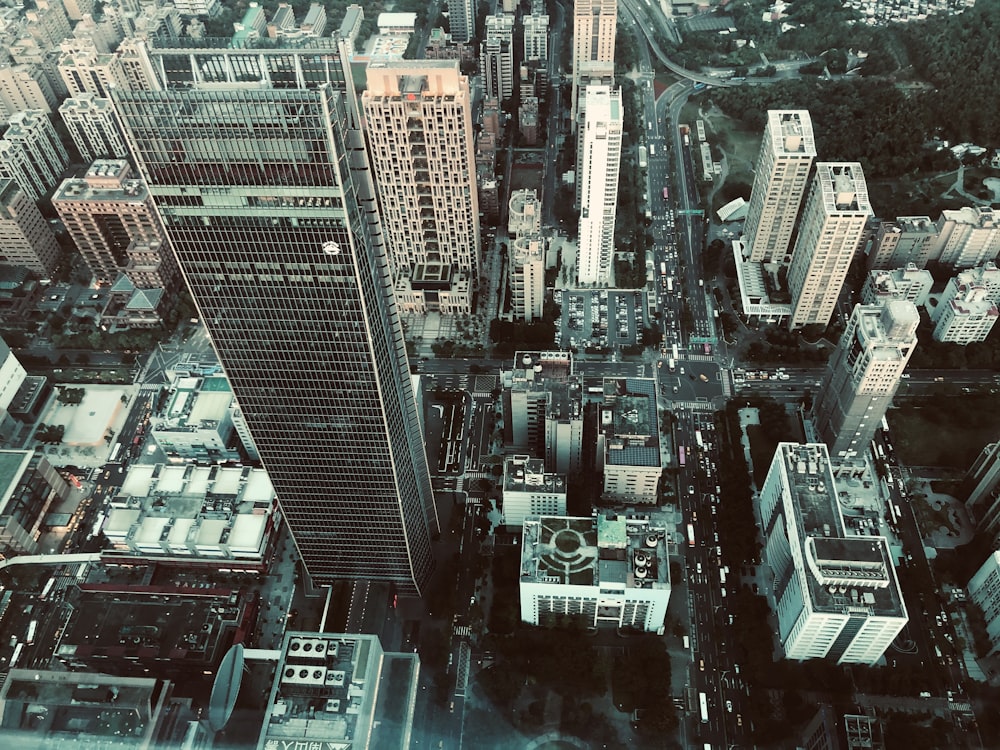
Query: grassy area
[[946, 432]]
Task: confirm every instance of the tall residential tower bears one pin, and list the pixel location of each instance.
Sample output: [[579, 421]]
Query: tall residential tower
[[256, 162], [600, 159], [786, 156], [595, 23]]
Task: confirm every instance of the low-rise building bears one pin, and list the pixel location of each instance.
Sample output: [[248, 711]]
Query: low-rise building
[[967, 237], [605, 570], [529, 490], [908, 239], [340, 690], [29, 488], [526, 277], [526, 396], [910, 283], [835, 596], [191, 513], [196, 421], [629, 440]]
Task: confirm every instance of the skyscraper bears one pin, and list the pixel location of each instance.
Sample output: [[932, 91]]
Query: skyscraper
[[833, 222], [786, 156], [595, 23], [266, 198], [31, 153], [863, 375], [25, 237], [91, 123], [967, 237], [462, 20], [418, 116], [600, 159], [496, 60]]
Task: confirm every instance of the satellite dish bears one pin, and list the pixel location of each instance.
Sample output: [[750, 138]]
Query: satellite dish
[[225, 688]]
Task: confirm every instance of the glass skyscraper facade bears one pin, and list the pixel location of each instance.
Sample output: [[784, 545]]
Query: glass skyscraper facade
[[256, 163]]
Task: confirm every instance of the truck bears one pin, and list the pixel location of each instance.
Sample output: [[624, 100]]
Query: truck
[[690, 535], [672, 364], [652, 149], [698, 439]]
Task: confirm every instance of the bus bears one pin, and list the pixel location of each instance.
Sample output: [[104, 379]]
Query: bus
[[114, 454], [676, 352], [885, 424], [698, 439], [680, 455], [47, 589], [32, 629], [690, 535], [663, 268], [642, 157], [670, 284], [703, 706], [16, 655], [666, 193]]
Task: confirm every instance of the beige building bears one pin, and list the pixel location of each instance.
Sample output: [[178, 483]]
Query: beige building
[[419, 127], [833, 222], [908, 239], [965, 314], [600, 158], [112, 220], [780, 180], [967, 237], [595, 23], [25, 86], [529, 490], [526, 276], [912, 284], [31, 153], [84, 69], [524, 215], [497, 57], [629, 440], [92, 125], [25, 237]]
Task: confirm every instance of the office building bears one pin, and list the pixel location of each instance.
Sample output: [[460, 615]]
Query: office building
[[196, 422], [30, 488], [419, 128], [536, 33], [835, 596], [312, 343], [830, 730], [983, 482], [863, 375], [218, 513], [628, 440], [833, 221], [462, 20], [912, 284], [44, 709], [93, 127], [984, 591], [564, 428], [780, 180], [595, 24], [31, 153], [529, 490], [607, 570], [110, 216], [967, 237], [526, 396], [24, 86], [497, 58], [524, 215], [526, 277], [600, 159], [340, 691], [25, 237], [908, 239], [965, 314], [76, 10]]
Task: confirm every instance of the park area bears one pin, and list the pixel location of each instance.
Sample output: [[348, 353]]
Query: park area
[[946, 432]]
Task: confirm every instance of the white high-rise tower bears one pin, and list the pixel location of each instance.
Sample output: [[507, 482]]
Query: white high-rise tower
[[595, 23], [600, 152]]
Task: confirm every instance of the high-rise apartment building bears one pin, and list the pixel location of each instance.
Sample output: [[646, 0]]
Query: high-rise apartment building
[[595, 23], [527, 387], [836, 596], [267, 200], [967, 237], [25, 237], [564, 428], [31, 153], [110, 216], [526, 277], [600, 160], [418, 119], [965, 314], [24, 86], [833, 222], [908, 239], [984, 591], [863, 375], [92, 125], [462, 20], [983, 483], [912, 284], [780, 180], [496, 60], [530, 490], [536, 33], [84, 69]]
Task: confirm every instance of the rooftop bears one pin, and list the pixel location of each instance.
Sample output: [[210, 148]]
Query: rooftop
[[523, 474], [196, 403], [793, 133], [609, 549], [629, 422], [843, 187]]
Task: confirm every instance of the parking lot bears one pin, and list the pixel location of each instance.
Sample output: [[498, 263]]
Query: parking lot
[[600, 318]]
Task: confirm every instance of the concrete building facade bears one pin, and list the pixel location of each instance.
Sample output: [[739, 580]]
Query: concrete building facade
[[836, 596], [93, 127], [967, 237], [25, 86], [462, 20], [912, 284], [780, 180], [608, 570], [31, 153], [833, 221], [965, 314], [529, 490], [595, 25], [536, 34], [908, 239], [984, 591], [419, 128], [600, 161], [983, 481], [526, 277], [496, 60], [25, 236], [863, 376], [629, 440]]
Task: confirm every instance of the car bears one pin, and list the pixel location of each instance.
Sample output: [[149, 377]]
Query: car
[[739, 720], [729, 706], [701, 665], [690, 489]]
